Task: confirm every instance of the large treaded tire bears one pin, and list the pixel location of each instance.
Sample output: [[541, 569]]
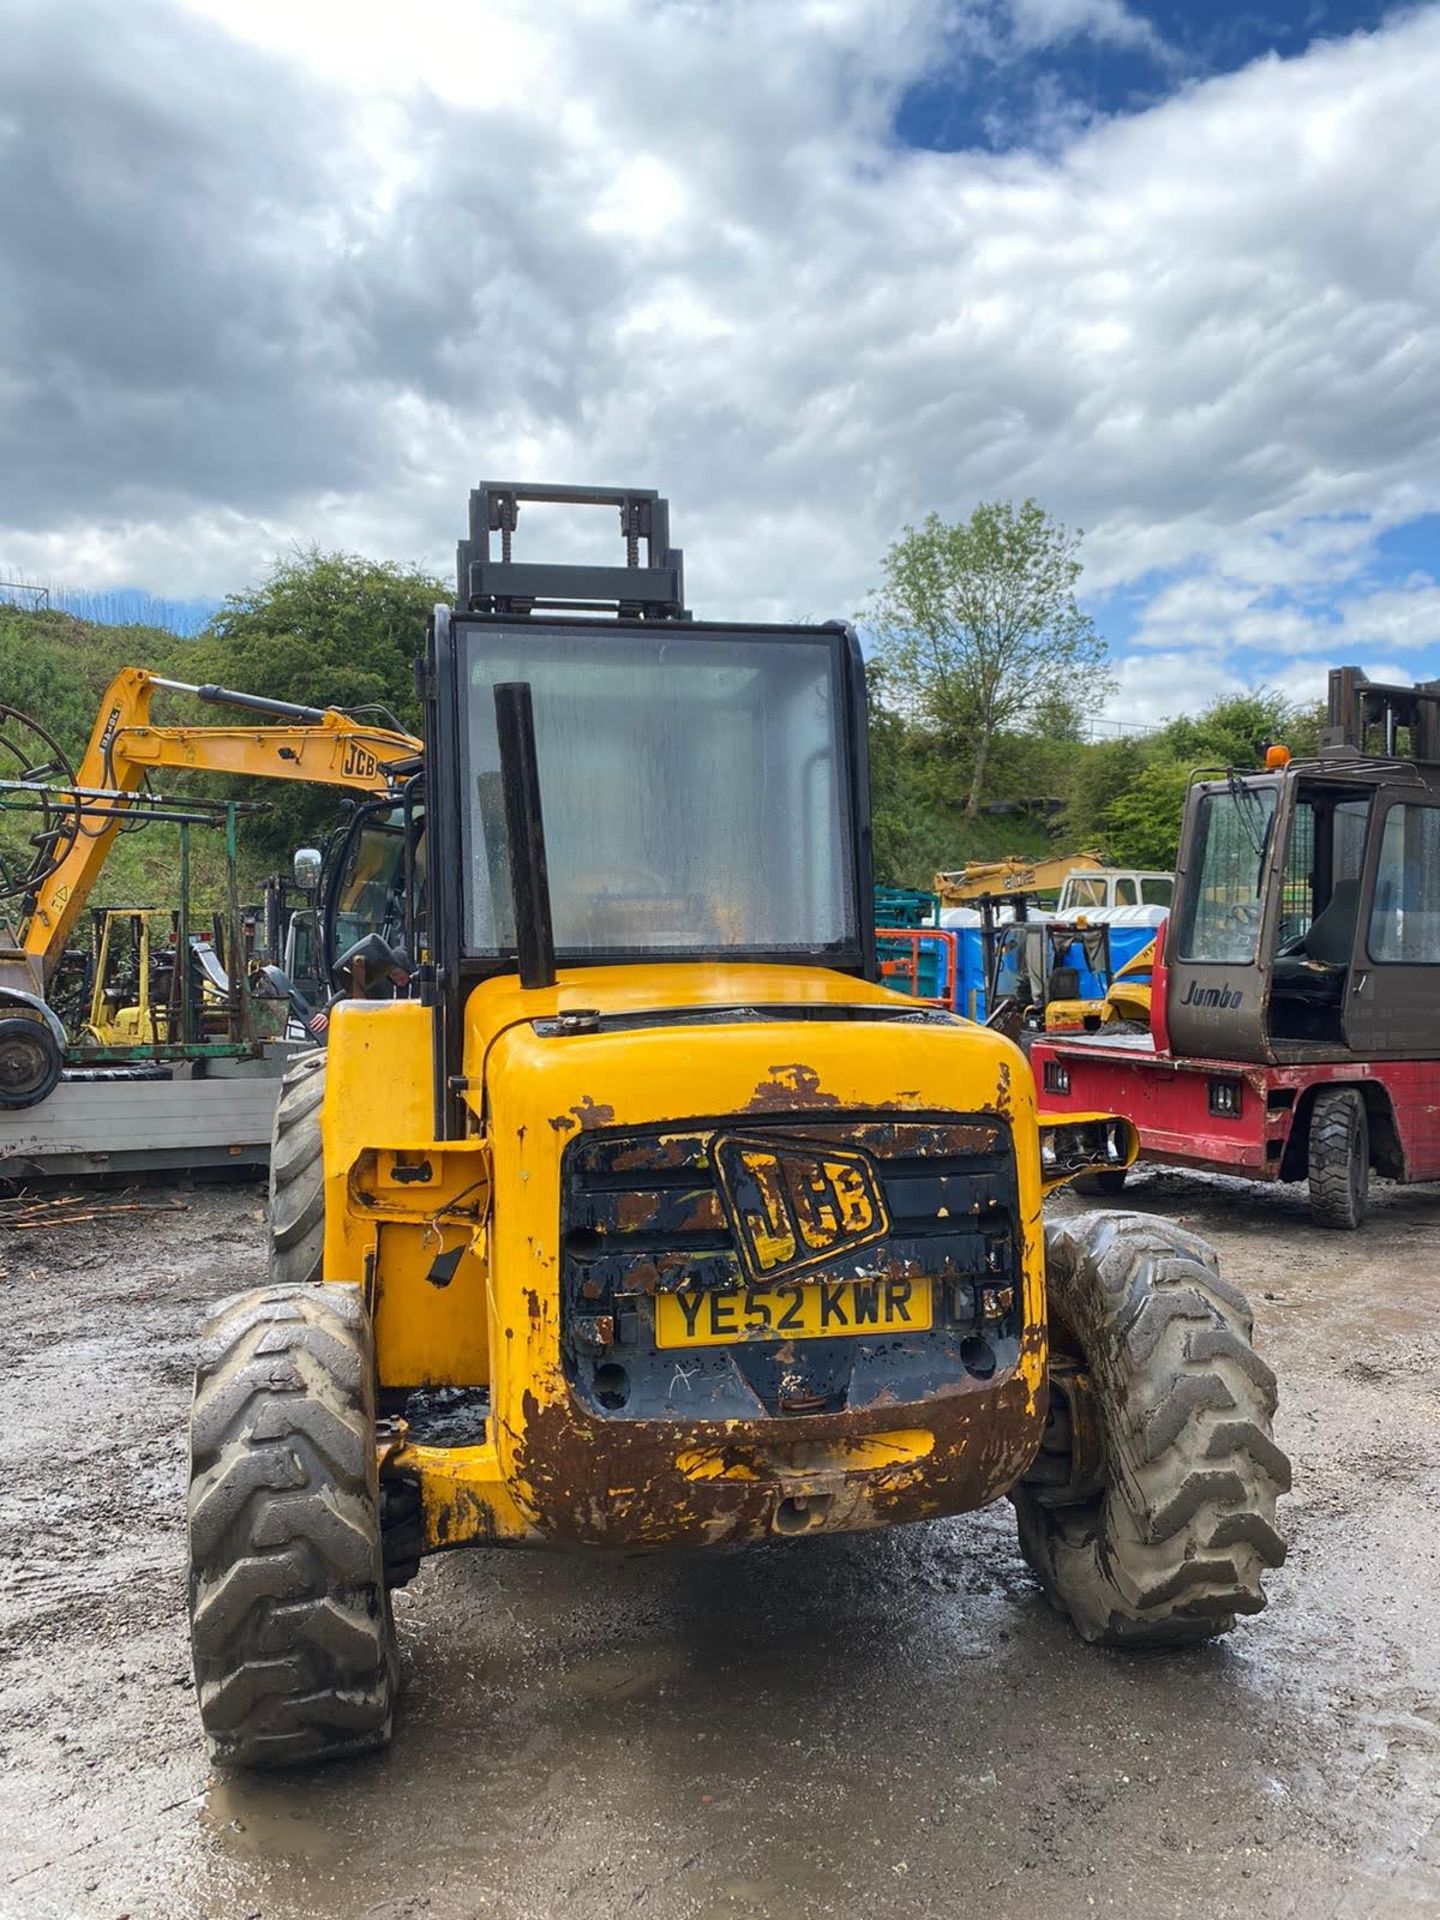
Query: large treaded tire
[[1175, 1543], [297, 1177], [1339, 1154], [290, 1624]]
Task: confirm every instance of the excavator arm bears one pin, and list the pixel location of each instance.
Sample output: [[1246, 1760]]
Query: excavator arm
[[320, 745], [1014, 875]]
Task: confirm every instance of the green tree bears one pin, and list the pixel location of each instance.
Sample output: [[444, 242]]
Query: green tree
[[1141, 826], [1234, 731], [325, 629], [1139, 820], [978, 622], [1103, 772]]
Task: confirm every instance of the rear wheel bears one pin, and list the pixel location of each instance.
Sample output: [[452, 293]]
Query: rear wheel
[[1339, 1152], [297, 1176], [30, 1062], [290, 1623], [1161, 1534]]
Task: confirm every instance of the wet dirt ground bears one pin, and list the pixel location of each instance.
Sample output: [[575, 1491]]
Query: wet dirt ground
[[880, 1726]]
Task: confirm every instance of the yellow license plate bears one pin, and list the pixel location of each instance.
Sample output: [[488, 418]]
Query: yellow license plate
[[800, 1310]]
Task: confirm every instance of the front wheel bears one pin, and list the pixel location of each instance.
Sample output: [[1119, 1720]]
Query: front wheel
[[1160, 1536], [1339, 1152]]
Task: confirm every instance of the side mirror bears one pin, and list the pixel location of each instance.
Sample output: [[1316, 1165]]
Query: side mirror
[[307, 868]]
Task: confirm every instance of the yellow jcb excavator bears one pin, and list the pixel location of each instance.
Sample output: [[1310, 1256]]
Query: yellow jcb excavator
[[81, 811]]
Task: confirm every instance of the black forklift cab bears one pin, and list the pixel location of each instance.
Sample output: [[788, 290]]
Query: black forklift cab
[[1306, 924]]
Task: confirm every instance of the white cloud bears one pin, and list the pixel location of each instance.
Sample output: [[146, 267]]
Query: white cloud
[[676, 244], [1280, 613], [1402, 617], [1153, 687], [1041, 23]]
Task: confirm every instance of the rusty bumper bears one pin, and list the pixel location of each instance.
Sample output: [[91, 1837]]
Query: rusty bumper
[[579, 1481]]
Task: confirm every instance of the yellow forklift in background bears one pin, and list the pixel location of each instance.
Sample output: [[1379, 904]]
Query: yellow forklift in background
[[627, 1209]]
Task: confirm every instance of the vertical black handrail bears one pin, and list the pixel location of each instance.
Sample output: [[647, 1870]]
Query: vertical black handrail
[[525, 833]]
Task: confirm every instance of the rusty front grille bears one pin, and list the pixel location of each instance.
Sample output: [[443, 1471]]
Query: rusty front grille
[[932, 1202]]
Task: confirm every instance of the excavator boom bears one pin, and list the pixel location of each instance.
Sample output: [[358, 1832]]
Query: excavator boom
[[1015, 874]]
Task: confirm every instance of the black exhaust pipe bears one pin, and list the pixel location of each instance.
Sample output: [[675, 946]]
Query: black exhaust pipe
[[525, 833]]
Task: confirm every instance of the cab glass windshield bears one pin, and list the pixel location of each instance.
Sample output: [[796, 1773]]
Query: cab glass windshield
[[693, 786], [1221, 916]]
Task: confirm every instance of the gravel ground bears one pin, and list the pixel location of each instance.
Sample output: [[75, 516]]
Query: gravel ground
[[887, 1726]]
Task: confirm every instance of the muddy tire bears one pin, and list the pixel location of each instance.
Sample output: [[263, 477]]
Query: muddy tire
[[297, 1177], [290, 1625], [1339, 1151], [1176, 1540]]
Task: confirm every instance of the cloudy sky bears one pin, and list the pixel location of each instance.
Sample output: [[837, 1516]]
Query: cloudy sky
[[287, 270]]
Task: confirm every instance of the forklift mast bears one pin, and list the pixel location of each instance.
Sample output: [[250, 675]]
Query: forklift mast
[[1388, 721], [652, 591]]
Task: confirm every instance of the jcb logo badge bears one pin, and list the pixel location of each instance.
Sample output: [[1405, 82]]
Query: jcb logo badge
[[795, 1206], [360, 762]]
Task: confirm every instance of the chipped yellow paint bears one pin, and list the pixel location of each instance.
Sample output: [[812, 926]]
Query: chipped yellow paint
[[797, 1460], [463, 1497]]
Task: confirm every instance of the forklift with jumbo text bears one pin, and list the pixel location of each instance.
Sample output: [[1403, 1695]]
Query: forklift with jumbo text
[[1295, 1024]]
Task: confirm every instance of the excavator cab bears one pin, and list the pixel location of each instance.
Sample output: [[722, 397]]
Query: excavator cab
[[1307, 916]]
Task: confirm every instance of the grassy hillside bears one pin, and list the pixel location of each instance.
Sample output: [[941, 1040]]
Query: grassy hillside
[[56, 667]]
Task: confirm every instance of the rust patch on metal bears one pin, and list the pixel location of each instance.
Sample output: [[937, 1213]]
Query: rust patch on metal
[[462, 1518], [589, 1481], [563, 1122], [1004, 1099], [791, 1086]]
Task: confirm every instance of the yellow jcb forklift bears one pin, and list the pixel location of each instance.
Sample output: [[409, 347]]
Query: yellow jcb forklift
[[707, 1237]]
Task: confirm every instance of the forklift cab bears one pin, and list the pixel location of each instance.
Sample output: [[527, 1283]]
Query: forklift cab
[[1307, 915]]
